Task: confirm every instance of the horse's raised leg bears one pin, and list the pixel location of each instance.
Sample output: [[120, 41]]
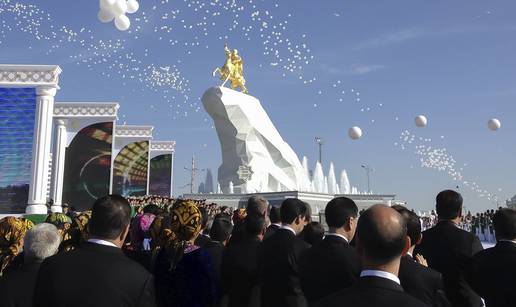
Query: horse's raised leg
[[215, 71], [225, 81]]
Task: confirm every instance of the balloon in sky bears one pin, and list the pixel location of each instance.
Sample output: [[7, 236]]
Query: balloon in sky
[[105, 16], [117, 10], [355, 133], [494, 124], [421, 121], [122, 22], [132, 6]]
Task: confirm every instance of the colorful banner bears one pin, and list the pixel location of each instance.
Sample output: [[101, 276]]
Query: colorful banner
[[160, 175], [130, 170], [17, 114], [88, 166]]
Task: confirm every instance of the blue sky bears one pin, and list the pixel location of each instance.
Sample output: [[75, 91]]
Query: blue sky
[[452, 61]]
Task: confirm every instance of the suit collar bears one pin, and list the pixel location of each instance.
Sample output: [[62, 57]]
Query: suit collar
[[447, 223], [378, 282], [332, 237], [382, 274], [98, 248], [288, 228]]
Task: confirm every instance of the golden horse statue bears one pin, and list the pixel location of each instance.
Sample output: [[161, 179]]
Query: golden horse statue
[[233, 70]]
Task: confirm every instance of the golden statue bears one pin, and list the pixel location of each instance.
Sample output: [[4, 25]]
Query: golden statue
[[233, 70]]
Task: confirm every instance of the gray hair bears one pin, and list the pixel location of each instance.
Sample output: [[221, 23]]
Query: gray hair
[[41, 241]]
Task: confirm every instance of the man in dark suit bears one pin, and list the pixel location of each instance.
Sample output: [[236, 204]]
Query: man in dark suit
[[239, 273], [280, 285], [494, 269], [203, 238], [333, 264], [381, 240], [97, 273], [16, 287], [219, 233], [449, 250], [275, 219], [416, 279]]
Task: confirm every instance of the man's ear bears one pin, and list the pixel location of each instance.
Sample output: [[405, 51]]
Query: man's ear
[[347, 225], [124, 233], [419, 239], [406, 247]]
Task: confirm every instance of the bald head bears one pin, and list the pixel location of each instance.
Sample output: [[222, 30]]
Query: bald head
[[381, 234]]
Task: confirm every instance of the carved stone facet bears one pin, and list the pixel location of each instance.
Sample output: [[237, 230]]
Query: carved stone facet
[[163, 146], [30, 74], [85, 109], [133, 131]]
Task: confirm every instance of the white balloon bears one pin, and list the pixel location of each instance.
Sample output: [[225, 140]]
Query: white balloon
[[119, 8], [122, 22], [355, 133], [106, 4], [494, 124], [132, 6], [421, 121], [105, 16]]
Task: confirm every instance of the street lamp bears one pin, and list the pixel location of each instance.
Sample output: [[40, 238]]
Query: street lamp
[[368, 170], [319, 141]]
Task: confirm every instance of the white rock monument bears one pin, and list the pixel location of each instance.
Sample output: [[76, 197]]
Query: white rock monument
[[255, 158]]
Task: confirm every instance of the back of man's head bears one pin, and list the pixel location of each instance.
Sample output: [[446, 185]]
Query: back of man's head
[[257, 205], [40, 242], [292, 208], [413, 223], [275, 215], [221, 229], [255, 225], [110, 215], [381, 234], [504, 222], [448, 205], [339, 210]]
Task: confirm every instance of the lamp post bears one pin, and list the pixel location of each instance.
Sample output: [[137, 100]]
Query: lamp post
[[368, 170], [319, 141]]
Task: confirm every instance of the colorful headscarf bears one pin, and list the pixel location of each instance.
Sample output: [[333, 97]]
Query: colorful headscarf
[[185, 225], [12, 232], [239, 216], [186, 220], [62, 222], [81, 222], [58, 219]]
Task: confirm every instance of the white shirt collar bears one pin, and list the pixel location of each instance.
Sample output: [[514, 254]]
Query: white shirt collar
[[288, 228], [410, 254], [277, 224], [102, 242], [338, 235], [381, 274], [503, 240]]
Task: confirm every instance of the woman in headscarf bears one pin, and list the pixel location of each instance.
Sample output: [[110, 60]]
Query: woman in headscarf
[[184, 274], [63, 223], [12, 232], [78, 232]]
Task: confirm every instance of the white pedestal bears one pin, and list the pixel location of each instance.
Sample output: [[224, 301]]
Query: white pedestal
[[254, 155]]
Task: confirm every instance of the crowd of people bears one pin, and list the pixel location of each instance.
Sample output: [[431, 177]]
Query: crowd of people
[[156, 251]]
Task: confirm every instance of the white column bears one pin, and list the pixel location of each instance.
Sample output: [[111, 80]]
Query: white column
[[148, 168], [172, 176], [58, 164], [41, 150]]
